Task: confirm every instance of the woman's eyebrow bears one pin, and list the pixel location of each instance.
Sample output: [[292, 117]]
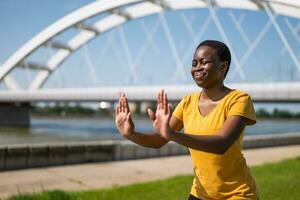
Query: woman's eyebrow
[[200, 59]]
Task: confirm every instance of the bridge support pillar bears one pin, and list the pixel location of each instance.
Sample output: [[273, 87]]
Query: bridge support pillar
[[15, 114]]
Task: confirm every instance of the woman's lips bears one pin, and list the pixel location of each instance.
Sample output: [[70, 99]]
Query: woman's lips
[[199, 75]]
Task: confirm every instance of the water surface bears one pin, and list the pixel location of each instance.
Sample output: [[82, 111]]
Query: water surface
[[54, 130]]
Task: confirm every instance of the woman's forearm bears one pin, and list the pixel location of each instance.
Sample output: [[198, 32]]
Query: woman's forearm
[[152, 140], [228, 134], [208, 143]]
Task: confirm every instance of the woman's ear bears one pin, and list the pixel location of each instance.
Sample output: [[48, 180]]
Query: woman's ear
[[224, 66]]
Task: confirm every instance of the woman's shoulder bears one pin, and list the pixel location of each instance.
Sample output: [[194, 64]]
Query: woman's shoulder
[[190, 98], [236, 93]]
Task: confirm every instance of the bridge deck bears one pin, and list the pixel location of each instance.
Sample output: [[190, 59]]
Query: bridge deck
[[260, 92]]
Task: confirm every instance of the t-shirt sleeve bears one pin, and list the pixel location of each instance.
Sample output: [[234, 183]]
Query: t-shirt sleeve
[[242, 106], [178, 112]]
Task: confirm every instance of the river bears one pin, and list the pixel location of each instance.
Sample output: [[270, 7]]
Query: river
[[57, 130]]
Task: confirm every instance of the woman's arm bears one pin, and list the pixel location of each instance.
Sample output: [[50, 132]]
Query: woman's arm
[[231, 130]]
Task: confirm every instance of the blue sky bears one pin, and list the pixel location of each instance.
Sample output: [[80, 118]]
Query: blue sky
[[21, 20]]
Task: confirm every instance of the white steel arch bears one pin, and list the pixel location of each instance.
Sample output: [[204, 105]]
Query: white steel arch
[[119, 12]]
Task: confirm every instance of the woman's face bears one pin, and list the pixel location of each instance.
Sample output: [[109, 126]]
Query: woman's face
[[207, 70]]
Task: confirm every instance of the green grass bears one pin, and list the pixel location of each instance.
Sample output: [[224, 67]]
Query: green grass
[[276, 181], [280, 180]]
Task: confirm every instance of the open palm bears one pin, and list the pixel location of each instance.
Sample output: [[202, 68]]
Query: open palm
[[123, 118], [162, 115]]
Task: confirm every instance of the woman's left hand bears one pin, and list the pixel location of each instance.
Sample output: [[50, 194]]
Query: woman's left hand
[[163, 115]]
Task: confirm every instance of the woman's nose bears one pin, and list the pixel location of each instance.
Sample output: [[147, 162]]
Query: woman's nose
[[198, 67]]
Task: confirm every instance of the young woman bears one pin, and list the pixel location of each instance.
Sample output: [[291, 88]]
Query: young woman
[[213, 119]]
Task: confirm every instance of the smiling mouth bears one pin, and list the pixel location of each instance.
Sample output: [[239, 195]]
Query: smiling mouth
[[199, 75]]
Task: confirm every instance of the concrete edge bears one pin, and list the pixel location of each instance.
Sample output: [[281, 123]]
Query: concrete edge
[[42, 155]]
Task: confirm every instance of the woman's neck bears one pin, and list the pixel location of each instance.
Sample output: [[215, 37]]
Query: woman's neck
[[214, 93]]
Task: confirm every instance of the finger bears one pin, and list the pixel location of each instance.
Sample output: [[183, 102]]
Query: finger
[[151, 114], [125, 109], [163, 99], [165, 102], [158, 100], [170, 110], [117, 110], [126, 104], [128, 116], [122, 104], [124, 100], [119, 103]]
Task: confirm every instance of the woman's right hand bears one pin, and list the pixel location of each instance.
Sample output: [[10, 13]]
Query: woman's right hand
[[160, 119], [123, 119]]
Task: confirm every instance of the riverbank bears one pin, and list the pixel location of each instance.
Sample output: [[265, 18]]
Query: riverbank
[[109, 174], [141, 116], [45, 154], [53, 130]]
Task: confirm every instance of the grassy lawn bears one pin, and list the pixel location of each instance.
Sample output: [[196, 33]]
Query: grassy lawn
[[276, 181]]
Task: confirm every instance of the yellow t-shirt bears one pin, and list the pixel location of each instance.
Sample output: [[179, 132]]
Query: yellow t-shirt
[[219, 176]]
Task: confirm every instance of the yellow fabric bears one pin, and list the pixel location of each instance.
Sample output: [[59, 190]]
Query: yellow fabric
[[218, 176]]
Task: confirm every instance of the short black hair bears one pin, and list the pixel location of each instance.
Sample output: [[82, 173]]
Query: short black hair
[[221, 48]]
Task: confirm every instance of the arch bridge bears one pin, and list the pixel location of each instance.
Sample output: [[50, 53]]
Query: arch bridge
[[115, 13]]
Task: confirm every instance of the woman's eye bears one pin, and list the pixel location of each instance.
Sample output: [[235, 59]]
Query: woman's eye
[[194, 64], [202, 62]]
